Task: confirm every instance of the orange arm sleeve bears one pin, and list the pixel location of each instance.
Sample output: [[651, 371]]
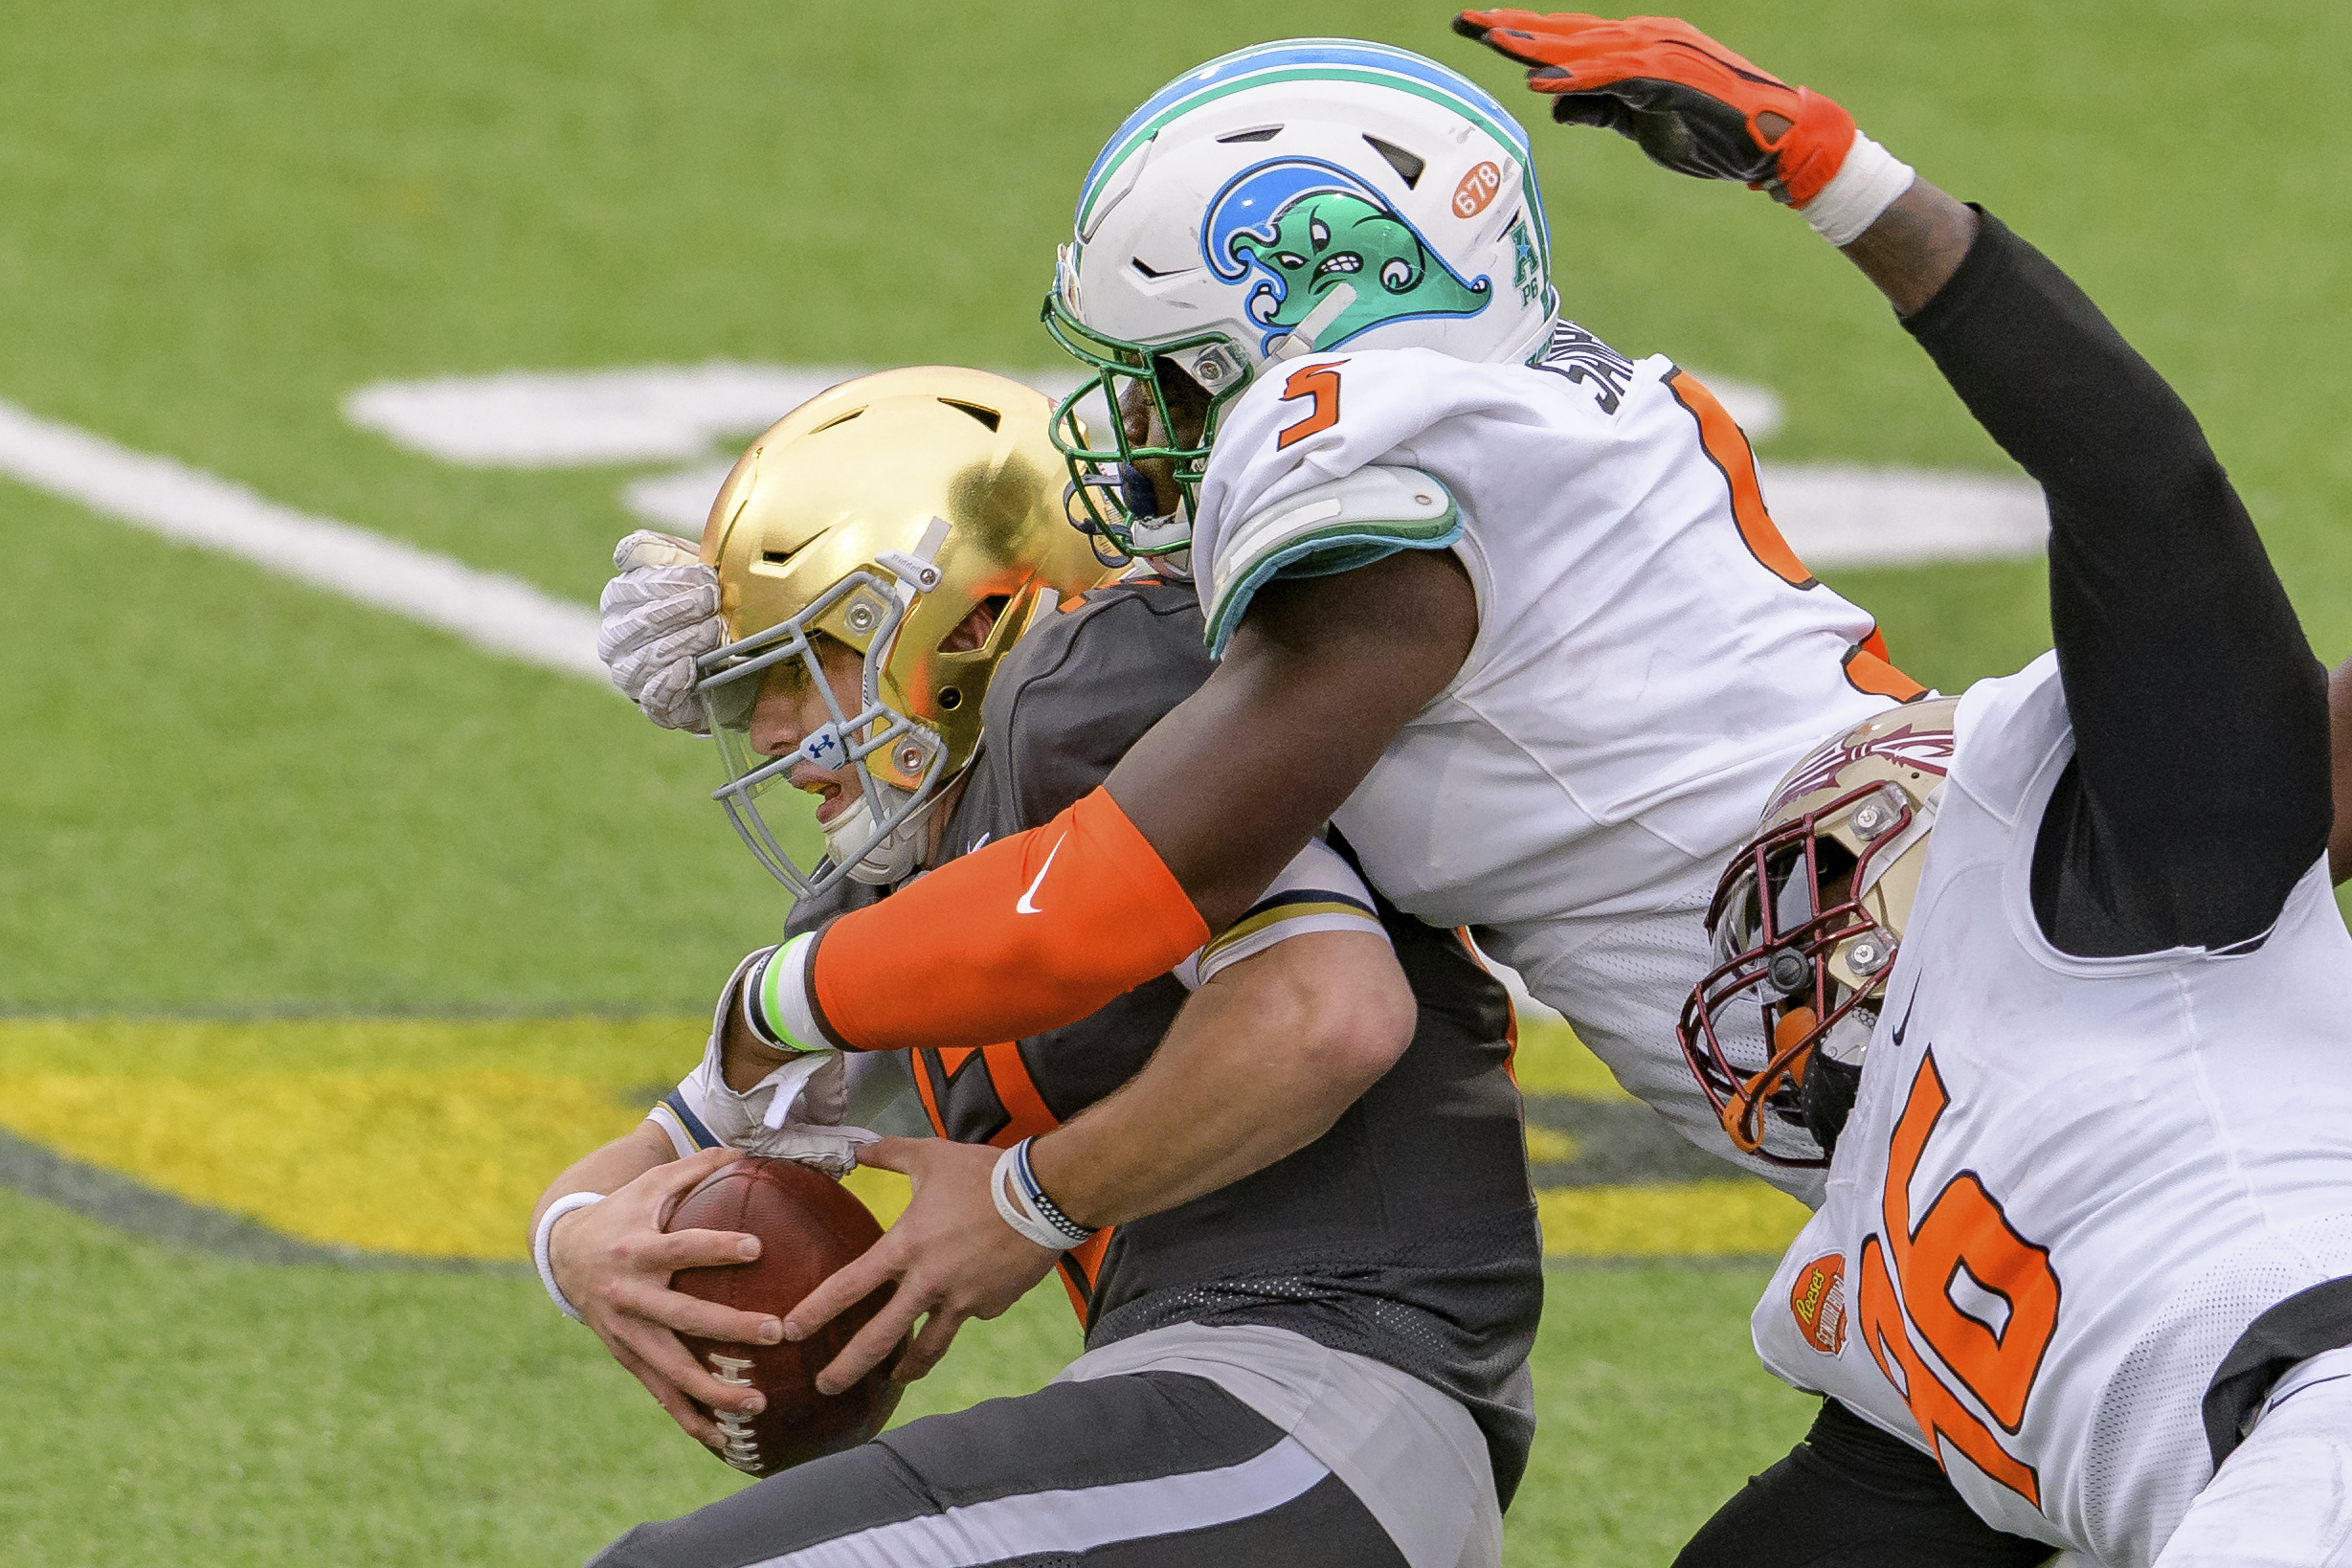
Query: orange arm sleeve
[[1028, 934]]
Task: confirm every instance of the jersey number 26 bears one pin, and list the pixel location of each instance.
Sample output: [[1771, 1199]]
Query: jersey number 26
[[1963, 1234]]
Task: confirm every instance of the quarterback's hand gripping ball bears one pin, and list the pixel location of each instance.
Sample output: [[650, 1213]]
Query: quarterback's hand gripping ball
[[1694, 106], [809, 1225], [659, 613]]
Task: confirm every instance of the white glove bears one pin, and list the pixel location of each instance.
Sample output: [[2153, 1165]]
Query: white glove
[[792, 1113], [659, 613]]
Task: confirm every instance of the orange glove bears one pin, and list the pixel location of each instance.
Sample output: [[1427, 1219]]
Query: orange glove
[[1694, 106]]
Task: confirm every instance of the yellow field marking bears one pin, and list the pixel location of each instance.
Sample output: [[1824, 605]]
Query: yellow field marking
[[429, 1163], [1552, 1060], [1549, 1147], [420, 1137], [434, 1139], [1694, 1219], [887, 1192]]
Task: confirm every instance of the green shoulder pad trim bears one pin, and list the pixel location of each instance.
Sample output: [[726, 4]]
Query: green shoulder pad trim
[[1328, 530]]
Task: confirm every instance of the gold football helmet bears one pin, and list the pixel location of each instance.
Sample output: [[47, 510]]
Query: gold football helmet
[[1806, 921], [882, 513]]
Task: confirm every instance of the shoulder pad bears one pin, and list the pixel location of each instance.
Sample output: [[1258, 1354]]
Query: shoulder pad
[[1332, 527]]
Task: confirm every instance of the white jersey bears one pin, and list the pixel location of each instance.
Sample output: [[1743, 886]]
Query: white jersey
[[1650, 658], [2068, 1185]]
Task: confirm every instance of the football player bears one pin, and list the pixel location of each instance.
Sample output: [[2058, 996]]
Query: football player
[[1537, 641], [2053, 969], [1503, 605], [1303, 1243]]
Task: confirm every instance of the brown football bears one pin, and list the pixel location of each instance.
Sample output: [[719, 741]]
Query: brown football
[[809, 1225]]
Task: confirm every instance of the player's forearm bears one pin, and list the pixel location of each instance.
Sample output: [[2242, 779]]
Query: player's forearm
[[2339, 710], [2198, 711], [1039, 930], [1261, 1062], [1916, 246], [608, 1169], [1321, 675]]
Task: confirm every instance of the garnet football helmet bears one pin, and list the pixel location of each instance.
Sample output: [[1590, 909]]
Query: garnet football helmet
[[1806, 922]]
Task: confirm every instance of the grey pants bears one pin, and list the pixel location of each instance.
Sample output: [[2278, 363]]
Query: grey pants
[[1146, 1469]]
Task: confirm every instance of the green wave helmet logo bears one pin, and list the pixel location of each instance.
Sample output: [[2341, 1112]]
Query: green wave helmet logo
[[1297, 228]]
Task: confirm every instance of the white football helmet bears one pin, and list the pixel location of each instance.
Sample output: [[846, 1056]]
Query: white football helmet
[[1292, 197]]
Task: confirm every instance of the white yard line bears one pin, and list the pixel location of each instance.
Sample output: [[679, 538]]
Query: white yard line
[[1844, 514], [562, 419], [1832, 514], [494, 612]]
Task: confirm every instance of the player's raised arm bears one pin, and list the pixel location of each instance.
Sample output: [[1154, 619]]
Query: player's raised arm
[[1699, 109], [2200, 715], [2339, 711]]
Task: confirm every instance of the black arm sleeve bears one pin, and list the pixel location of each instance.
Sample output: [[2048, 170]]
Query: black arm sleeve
[[2200, 791]]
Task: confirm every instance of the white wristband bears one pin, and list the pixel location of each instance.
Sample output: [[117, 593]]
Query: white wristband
[[1865, 187], [538, 1240], [1024, 1206]]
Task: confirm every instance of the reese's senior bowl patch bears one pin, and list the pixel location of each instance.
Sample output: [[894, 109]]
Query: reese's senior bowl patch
[[1818, 1301]]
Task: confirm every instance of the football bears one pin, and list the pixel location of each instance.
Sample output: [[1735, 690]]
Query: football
[[809, 1225]]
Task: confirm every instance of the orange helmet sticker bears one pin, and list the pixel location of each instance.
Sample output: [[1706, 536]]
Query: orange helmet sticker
[[1477, 189]]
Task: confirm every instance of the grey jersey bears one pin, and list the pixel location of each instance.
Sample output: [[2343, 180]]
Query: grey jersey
[[1407, 1233]]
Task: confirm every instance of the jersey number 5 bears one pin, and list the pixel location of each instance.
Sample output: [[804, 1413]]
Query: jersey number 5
[[1321, 383], [1963, 1235]]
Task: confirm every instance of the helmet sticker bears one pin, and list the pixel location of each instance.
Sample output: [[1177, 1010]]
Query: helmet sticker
[[1527, 270], [1476, 190], [1295, 229], [1928, 751]]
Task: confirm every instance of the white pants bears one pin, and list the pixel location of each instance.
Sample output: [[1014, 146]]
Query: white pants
[[2285, 1499]]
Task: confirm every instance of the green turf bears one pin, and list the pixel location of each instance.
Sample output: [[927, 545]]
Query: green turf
[[171, 1409], [1650, 1410], [260, 795], [219, 216], [166, 1408], [248, 794]]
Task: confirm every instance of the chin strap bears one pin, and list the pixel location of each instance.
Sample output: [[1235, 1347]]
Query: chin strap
[[886, 861], [1152, 536]]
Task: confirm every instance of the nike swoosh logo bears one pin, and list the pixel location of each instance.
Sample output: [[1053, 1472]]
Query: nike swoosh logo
[[1906, 1024], [1024, 906]]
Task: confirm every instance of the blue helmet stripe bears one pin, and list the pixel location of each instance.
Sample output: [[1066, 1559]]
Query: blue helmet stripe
[[1293, 59]]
